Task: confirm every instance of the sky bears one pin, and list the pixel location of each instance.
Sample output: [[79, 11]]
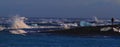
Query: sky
[[60, 8]]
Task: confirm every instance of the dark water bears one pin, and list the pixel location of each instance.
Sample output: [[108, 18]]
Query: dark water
[[52, 40]]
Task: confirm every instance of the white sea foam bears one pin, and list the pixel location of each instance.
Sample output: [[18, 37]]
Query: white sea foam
[[17, 23], [18, 32]]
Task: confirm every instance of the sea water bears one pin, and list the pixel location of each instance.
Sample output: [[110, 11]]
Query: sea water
[[54, 40]]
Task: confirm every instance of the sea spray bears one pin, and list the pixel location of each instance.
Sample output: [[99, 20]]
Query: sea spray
[[18, 23]]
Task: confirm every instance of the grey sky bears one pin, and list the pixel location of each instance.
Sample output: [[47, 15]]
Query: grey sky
[[61, 8]]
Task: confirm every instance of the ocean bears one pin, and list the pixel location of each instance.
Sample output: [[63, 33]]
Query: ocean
[[54, 40]]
